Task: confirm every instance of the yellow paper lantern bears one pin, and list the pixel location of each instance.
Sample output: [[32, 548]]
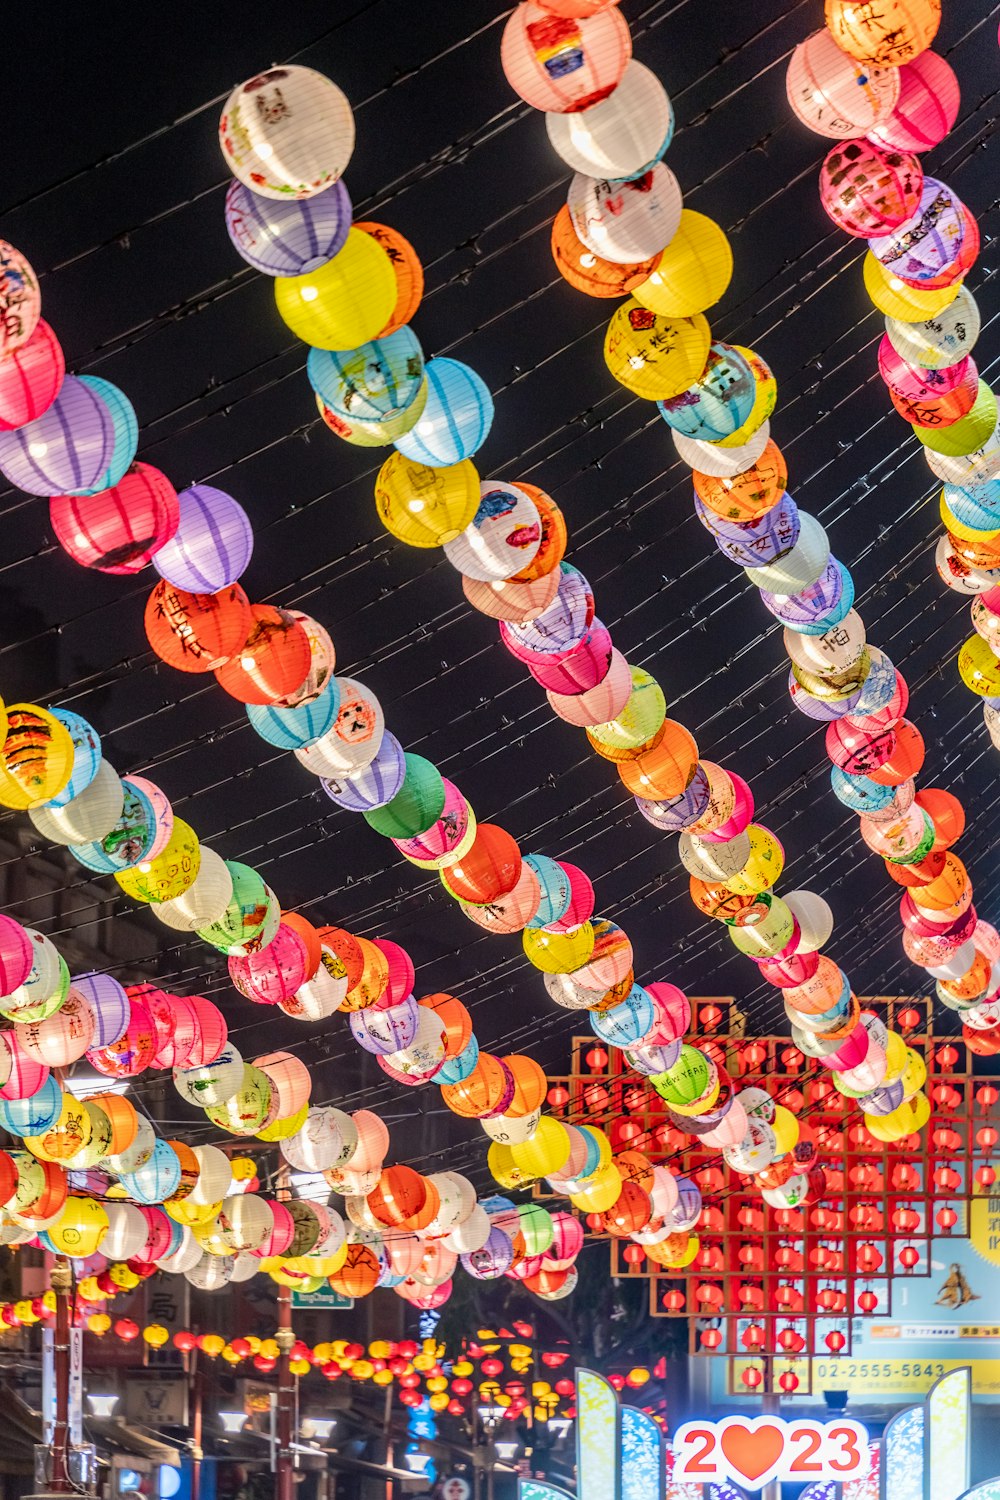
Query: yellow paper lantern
[[764, 401], [170, 874], [599, 1191], [546, 1151], [424, 506], [437, 1382], [230, 1356], [299, 1366], [540, 1388], [978, 668], [897, 300], [66, 1137], [383, 1377], [558, 952], [638, 1376], [970, 432], [786, 1129], [438, 1402], [653, 356], [764, 863], [82, 1226], [424, 1361], [243, 1169], [98, 1323], [212, 1344], [88, 1291], [638, 724], [462, 1368], [36, 756], [25, 1312], [343, 303], [183, 1211], [155, 1335], [280, 1130], [692, 273]]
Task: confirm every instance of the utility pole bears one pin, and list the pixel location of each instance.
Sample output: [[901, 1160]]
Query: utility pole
[[195, 1390], [62, 1281], [284, 1469]]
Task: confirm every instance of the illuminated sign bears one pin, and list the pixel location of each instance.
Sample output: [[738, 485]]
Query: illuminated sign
[[751, 1451]]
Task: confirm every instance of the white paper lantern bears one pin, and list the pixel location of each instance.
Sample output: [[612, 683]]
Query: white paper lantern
[[967, 468], [43, 979], [503, 536], [721, 463], [128, 1231], [205, 899], [511, 1130], [214, 1176], [472, 1234], [942, 340], [213, 1083], [187, 1254], [712, 862], [288, 133], [137, 1153], [327, 1139], [799, 568], [90, 815], [835, 95], [814, 917], [321, 995], [354, 740], [836, 650], [458, 1199], [211, 1273], [626, 222], [623, 135], [244, 1222]]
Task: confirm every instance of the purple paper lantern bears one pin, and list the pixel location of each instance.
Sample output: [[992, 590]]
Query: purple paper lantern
[[373, 786], [385, 1031], [67, 448], [757, 543], [212, 545], [288, 237], [679, 812], [493, 1259], [109, 1005]]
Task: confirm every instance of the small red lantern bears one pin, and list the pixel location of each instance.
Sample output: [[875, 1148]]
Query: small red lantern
[[868, 1301], [184, 1340], [788, 1381], [711, 1338], [835, 1341], [673, 1301], [752, 1377], [947, 1218], [909, 1256], [596, 1059], [126, 1329], [987, 1095], [557, 1096], [564, 1388], [492, 1367]]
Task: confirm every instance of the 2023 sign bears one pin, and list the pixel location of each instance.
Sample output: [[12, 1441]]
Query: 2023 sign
[[752, 1451]]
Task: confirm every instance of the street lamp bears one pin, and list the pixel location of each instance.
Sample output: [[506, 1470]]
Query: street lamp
[[318, 1428], [506, 1449], [102, 1406], [233, 1421]]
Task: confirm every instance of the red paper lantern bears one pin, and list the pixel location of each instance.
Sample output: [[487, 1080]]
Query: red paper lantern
[[272, 663], [196, 632], [118, 530], [30, 377]]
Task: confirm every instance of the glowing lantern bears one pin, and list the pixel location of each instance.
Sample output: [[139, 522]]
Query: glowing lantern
[[359, 1273], [587, 271], [892, 296], [132, 1052], [62, 1038], [833, 94], [272, 662], [212, 543], [418, 804], [456, 417], [30, 377], [934, 246], [289, 237], [718, 403], [490, 869], [653, 356], [81, 1227], [562, 64], [20, 299], [288, 133], [927, 107], [623, 134], [68, 447], [344, 302], [629, 221], [894, 34], [272, 974], [868, 190], [424, 506], [36, 758], [969, 432], [692, 273], [117, 530]]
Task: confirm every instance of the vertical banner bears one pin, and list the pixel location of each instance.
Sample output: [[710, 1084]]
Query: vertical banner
[[598, 1442], [644, 1471], [903, 1456], [75, 1385], [948, 1408]]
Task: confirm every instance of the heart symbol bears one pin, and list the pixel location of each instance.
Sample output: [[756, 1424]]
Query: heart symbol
[[752, 1449]]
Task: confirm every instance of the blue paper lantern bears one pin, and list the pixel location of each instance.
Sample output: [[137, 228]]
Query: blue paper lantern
[[67, 448], [556, 891], [456, 420], [35, 1115], [858, 793], [823, 604], [125, 426], [720, 400], [129, 841], [158, 1179], [371, 382], [86, 756], [626, 1024], [454, 1069], [212, 545], [288, 236], [293, 728]]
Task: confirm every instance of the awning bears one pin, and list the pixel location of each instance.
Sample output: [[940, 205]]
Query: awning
[[119, 1437]]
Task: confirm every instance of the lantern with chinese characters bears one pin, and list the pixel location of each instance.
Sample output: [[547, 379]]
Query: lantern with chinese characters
[[834, 94]]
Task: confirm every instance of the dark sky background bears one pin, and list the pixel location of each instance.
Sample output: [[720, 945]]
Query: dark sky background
[[113, 186]]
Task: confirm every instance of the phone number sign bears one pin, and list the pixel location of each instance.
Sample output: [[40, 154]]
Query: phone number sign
[[751, 1451]]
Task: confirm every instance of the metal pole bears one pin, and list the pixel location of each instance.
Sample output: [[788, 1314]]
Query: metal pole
[[285, 1338], [195, 1392], [771, 1407], [62, 1280]]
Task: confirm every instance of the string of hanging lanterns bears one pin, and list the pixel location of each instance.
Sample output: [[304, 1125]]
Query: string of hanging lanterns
[[509, 542], [609, 242]]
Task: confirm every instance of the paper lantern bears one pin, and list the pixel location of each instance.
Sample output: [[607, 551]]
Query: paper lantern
[[36, 757], [246, 1111], [157, 1179], [927, 107], [490, 868], [81, 1227], [68, 447], [86, 756], [274, 973], [36, 1112], [869, 190], [211, 545], [197, 632], [692, 273], [377, 390], [117, 530], [437, 843], [16, 955], [406, 269], [108, 1003], [501, 539], [622, 135], [599, 704], [744, 497], [291, 236], [665, 770], [352, 744], [892, 296], [636, 725], [969, 432], [125, 434], [20, 299], [132, 838], [47, 976], [247, 914], [132, 1052], [359, 1274], [801, 566], [211, 1083], [63, 1037], [942, 342], [833, 94], [718, 402], [424, 506], [554, 537], [935, 246], [90, 815], [629, 221], [343, 303], [287, 133], [578, 264], [373, 785], [653, 356], [204, 901], [562, 64], [456, 418], [560, 627], [892, 34], [30, 377], [512, 911], [272, 662]]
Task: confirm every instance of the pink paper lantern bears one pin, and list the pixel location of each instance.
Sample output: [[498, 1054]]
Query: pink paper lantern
[[30, 377], [927, 108], [743, 811], [601, 704], [212, 1033], [276, 972], [581, 902], [578, 670], [560, 64], [402, 975], [118, 530], [869, 190], [20, 299], [134, 1050], [16, 957]]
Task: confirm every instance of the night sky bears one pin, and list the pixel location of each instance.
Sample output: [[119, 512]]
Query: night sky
[[113, 186]]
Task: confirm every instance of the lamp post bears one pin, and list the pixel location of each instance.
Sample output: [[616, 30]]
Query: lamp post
[[62, 1280]]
